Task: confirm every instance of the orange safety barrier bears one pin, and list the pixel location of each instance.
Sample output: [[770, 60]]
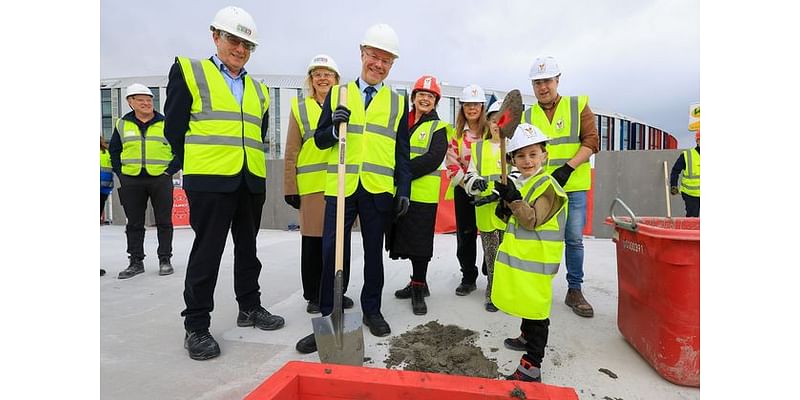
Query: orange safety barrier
[[180, 208], [445, 213], [299, 380]]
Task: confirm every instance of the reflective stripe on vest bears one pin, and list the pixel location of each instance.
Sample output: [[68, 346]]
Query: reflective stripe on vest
[[312, 162], [224, 135], [528, 260], [370, 141], [149, 150], [564, 134], [487, 163], [690, 180], [425, 189]]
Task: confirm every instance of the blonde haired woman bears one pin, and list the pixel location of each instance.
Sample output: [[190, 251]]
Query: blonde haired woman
[[304, 170], [471, 126]]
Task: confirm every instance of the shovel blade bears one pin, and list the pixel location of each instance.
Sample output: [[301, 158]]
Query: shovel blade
[[510, 113], [346, 347]]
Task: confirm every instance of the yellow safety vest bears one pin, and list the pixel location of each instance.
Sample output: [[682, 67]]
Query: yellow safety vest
[[487, 162], [371, 136], [312, 163], [528, 260], [143, 149], [425, 189], [105, 161], [564, 134], [223, 135], [690, 180]]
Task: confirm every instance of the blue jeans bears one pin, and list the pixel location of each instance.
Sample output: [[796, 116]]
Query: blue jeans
[[576, 219]]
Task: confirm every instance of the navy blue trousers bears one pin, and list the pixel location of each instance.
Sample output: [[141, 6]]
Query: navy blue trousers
[[374, 212]]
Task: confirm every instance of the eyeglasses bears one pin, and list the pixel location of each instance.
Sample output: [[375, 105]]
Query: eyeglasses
[[235, 41], [323, 74], [384, 61], [471, 105]]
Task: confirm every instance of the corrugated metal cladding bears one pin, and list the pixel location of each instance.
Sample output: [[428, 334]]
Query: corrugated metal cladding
[[618, 132]]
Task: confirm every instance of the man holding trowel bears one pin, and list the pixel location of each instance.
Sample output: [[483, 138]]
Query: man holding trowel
[[377, 182]]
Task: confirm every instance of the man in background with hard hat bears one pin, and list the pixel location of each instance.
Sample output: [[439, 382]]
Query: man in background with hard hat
[[143, 161], [216, 121], [377, 159], [688, 167], [572, 128]]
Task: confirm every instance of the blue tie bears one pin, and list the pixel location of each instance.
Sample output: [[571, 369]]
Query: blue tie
[[370, 91]]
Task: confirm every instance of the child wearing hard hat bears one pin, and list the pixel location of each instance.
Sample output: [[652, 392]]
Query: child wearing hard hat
[[484, 169], [532, 247]]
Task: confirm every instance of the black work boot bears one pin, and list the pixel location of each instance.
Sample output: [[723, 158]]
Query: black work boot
[[136, 267], [465, 288], [418, 298], [201, 345], [405, 293], [164, 266]]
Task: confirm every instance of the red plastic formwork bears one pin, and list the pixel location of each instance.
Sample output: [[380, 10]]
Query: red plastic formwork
[[658, 270], [299, 380]]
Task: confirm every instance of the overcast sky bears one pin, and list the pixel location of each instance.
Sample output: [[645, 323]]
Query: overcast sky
[[636, 57]]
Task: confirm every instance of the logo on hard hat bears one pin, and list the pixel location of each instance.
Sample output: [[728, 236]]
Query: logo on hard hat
[[528, 131], [244, 29], [560, 124], [426, 83], [320, 59], [542, 67], [474, 92]]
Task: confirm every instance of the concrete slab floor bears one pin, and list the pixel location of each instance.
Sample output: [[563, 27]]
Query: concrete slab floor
[[141, 330]]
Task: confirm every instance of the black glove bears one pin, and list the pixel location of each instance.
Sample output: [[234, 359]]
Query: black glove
[[507, 192], [673, 190], [502, 211], [293, 200], [341, 114], [479, 184], [562, 174], [401, 206]]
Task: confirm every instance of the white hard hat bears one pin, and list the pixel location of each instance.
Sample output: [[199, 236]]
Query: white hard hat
[[137, 88], [525, 135], [325, 61], [495, 107], [382, 36], [472, 94], [237, 22], [544, 68]]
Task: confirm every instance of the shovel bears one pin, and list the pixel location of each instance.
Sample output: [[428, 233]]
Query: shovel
[[339, 336], [510, 116]]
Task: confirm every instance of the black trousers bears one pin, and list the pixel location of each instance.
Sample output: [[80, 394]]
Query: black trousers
[[374, 212], [133, 194], [535, 333], [211, 216], [103, 198], [311, 267], [692, 205], [466, 235]]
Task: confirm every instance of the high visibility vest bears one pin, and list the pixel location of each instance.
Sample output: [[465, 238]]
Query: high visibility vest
[[148, 149], [371, 137], [487, 162], [425, 189], [564, 134], [528, 260], [690, 180], [106, 174], [312, 163], [223, 136]]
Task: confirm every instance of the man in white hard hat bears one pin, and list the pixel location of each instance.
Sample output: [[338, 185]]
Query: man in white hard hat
[[377, 161], [216, 121], [572, 128], [143, 161]]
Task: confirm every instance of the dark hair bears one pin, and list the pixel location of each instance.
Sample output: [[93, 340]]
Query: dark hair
[[103, 144]]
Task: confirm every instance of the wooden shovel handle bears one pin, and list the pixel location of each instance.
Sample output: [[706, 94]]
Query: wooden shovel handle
[[340, 178]]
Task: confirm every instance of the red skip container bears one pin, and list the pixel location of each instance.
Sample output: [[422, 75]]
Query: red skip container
[[299, 380], [658, 270]]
